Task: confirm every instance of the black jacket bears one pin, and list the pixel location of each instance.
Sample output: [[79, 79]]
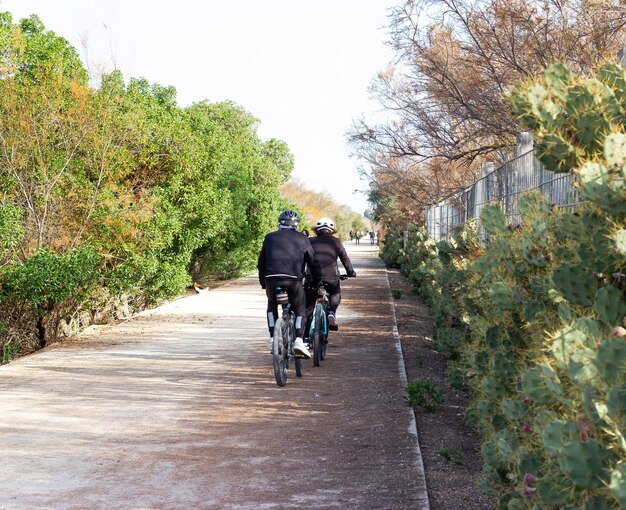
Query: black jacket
[[327, 249], [285, 253]]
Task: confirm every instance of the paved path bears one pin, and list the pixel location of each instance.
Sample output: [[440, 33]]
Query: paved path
[[177, 408]]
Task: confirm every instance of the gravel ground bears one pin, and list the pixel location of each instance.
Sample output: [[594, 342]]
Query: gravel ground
[[450, 447]]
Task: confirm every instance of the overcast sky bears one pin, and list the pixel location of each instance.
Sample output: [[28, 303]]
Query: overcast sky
[[302, 68]]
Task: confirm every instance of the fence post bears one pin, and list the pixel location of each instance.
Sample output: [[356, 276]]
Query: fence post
[[481, 197], [522, 173], [621, 57], [523, 143]]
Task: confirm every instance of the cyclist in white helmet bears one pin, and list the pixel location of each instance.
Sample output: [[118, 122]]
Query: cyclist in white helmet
[[327, 250]]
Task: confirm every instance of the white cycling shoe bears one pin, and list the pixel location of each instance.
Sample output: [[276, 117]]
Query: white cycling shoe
[[300, 348]]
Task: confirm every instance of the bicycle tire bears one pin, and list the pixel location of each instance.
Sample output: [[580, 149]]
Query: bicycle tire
[[317, 335], [324, 336], [299, 367], [280, 353], [292, 336]]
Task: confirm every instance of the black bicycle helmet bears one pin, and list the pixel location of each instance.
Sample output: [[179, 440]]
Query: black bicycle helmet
[[289, 218]]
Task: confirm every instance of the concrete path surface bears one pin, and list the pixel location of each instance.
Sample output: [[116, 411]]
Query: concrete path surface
[[177, 408]]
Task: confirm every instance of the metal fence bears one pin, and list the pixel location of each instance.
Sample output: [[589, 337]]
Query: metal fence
[[502, 186]]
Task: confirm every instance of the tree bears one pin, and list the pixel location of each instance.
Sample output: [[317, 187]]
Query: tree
[[118, 190], [315, 205], [457, 59]]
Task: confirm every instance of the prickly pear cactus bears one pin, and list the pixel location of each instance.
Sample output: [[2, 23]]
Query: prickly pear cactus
[[503, 296], [580, 129], [493, 219], [601, 186], [610, 305], [553, 489], [565, 343], [618, 484], [584, 463], [619, 242], [539, 332], [616, 404], [558, 78], [575, 284], [557, 433], [615, 150], [556, 153], [611, 360], [542, 385]]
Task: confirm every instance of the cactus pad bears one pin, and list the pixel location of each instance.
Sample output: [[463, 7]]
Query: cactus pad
[[611, 359], [513, 410], [575, 284], [533, 203], [493, 219], [615, 149], [556, 153], [553, 490], [602, 188], [531, 253], [557, 77], [558, 433], [565, 342], [591, 128], [503, 296], [610, 305], [541, 385], [579, 99], [584, 463], [613, 75], [616, 403], [619, 241], [617, 485]]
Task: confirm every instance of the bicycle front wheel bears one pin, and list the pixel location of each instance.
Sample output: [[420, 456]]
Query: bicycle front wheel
[[280, 353], [324, 336]]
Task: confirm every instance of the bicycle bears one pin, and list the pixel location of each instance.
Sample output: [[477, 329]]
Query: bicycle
[[318, 331], [284, 337]]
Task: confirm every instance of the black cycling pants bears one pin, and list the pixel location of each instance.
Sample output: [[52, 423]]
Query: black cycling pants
[[295, 290], [333, 287]]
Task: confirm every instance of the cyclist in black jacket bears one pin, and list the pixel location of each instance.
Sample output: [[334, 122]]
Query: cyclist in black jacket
[[327, 250], [283, 256]]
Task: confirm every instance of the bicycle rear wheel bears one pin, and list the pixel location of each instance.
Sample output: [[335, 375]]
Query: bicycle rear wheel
[[297, 361], [318, 335], [280, 353]]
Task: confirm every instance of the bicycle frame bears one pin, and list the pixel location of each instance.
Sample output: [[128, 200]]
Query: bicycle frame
[[323, 300], [318, 330], [320, 340]]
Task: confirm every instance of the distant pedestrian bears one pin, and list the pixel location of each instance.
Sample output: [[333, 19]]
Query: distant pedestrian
[[351, 235], [357, 236]]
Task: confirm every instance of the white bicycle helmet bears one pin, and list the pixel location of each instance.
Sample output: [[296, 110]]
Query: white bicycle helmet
[[325, 224]]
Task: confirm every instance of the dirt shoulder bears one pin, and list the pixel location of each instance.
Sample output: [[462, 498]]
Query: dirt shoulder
[[450, 448]]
